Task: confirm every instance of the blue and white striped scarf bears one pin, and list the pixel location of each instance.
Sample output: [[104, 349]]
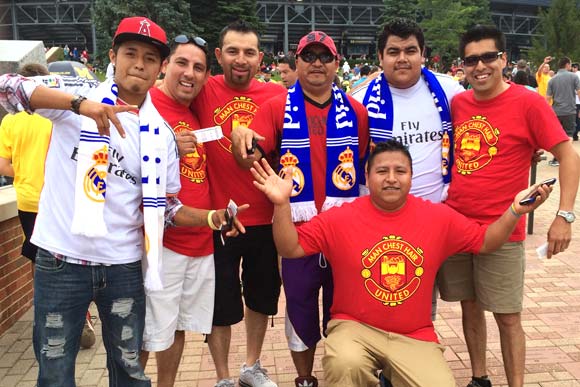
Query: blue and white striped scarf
[[91, 180], [342, 152]]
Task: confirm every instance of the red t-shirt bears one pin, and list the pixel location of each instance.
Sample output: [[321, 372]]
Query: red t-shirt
[[190, 241], [217, 104], [269, 122], [384, 264], [494, 144]]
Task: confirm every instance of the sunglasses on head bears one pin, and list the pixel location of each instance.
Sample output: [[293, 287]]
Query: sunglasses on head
[[310, 57], [184, 39], [486, 57]]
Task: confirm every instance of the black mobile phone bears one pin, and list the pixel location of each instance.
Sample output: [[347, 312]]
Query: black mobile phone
[[229, 224], [531, 198], [251, 150]]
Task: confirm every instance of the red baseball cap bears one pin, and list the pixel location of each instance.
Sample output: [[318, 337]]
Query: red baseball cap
[[316, 37], [142, 29]]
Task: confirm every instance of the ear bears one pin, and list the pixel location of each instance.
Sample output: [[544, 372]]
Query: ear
[[112, 56], [218, 55], [261, 56]]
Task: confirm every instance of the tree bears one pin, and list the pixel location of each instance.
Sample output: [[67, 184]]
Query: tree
[[559, 27], [173, 15], [444, 21], [217, 15], [396, 8]]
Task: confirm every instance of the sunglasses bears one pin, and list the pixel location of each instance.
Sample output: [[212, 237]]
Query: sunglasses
[[486, 57], [310, 57], [184, 39]]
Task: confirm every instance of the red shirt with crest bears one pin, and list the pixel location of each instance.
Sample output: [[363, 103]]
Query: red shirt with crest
[[217, 104], [190, 241], [384, 263], [494, 141]]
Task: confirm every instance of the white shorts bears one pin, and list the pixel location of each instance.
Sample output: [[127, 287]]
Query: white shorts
[[185, 303]]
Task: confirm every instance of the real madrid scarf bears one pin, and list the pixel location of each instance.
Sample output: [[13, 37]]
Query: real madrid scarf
[[341, 151], [91, 180], [379, 103]]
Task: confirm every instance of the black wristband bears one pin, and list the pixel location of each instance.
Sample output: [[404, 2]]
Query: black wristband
[[75, 103]]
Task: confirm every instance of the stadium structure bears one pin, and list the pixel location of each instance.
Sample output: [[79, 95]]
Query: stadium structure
[[352, 24]]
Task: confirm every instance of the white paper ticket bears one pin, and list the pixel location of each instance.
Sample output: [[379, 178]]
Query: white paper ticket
[[542, 251], [208, 134]]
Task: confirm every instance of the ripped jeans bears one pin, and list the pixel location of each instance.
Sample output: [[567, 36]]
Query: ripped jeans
[[62, 294]]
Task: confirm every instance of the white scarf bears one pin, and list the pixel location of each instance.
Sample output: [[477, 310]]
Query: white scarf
[[91, 180]]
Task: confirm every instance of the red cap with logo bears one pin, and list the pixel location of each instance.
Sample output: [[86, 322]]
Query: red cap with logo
[[316, 37], [142, 29]]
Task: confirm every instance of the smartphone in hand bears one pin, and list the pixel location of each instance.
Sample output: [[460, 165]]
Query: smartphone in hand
[[531, 198], [230, 214]]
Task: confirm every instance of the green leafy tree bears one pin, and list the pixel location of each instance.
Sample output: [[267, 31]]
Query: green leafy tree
[[212, 16], [444, 21], [173, 15], [397, 8], [559, 29]]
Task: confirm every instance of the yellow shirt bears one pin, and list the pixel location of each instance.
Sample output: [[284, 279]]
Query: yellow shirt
[[24, 140], [542, 80]]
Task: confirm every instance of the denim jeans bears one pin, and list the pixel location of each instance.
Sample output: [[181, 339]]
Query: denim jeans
[[62, 294]]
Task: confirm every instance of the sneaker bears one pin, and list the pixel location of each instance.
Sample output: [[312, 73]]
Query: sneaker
[[553, 163], [226, 383], [306, 381], [255, 376], [480, 382], [88, 336]]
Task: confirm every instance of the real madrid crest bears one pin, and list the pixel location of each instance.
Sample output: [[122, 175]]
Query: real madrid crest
[[95, 185], [290, 160], [344, 175]]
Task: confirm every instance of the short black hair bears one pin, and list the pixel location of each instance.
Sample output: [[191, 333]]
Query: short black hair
[[240, 26], [563, 62], [289, 60], [521, 78], [389, 146], [402, 28], [575, 64], [365, 70], [480, 32]]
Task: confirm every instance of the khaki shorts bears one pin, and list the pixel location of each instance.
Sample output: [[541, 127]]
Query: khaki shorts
[[355, 351], [495, 280]]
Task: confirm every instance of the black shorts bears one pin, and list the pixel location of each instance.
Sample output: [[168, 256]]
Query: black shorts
[[260, 278], [27, 220]]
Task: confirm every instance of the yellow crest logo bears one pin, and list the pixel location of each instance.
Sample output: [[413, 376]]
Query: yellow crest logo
[[475, 144], [290, 160], [392, 270], [344, 175], [95, 185]]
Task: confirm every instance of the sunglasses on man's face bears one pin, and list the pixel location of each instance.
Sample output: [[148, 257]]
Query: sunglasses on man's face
[[487, 57], [310, 57], [184, 39]]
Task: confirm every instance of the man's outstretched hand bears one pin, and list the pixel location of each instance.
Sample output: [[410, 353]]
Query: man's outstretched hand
[[277, 189]]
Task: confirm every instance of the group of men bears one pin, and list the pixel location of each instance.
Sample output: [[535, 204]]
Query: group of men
[[108, 196]]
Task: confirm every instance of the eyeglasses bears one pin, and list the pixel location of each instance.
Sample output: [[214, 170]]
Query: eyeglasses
[[486, 57], [184, 39], [310, 57]]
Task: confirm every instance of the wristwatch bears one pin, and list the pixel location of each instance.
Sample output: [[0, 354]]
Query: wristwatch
[[567, 215], [75, 103]]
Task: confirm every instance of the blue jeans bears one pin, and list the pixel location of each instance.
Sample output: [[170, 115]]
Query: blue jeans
[[62, 294]]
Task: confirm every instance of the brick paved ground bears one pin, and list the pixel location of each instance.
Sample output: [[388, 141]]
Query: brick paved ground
[[551, 321]]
